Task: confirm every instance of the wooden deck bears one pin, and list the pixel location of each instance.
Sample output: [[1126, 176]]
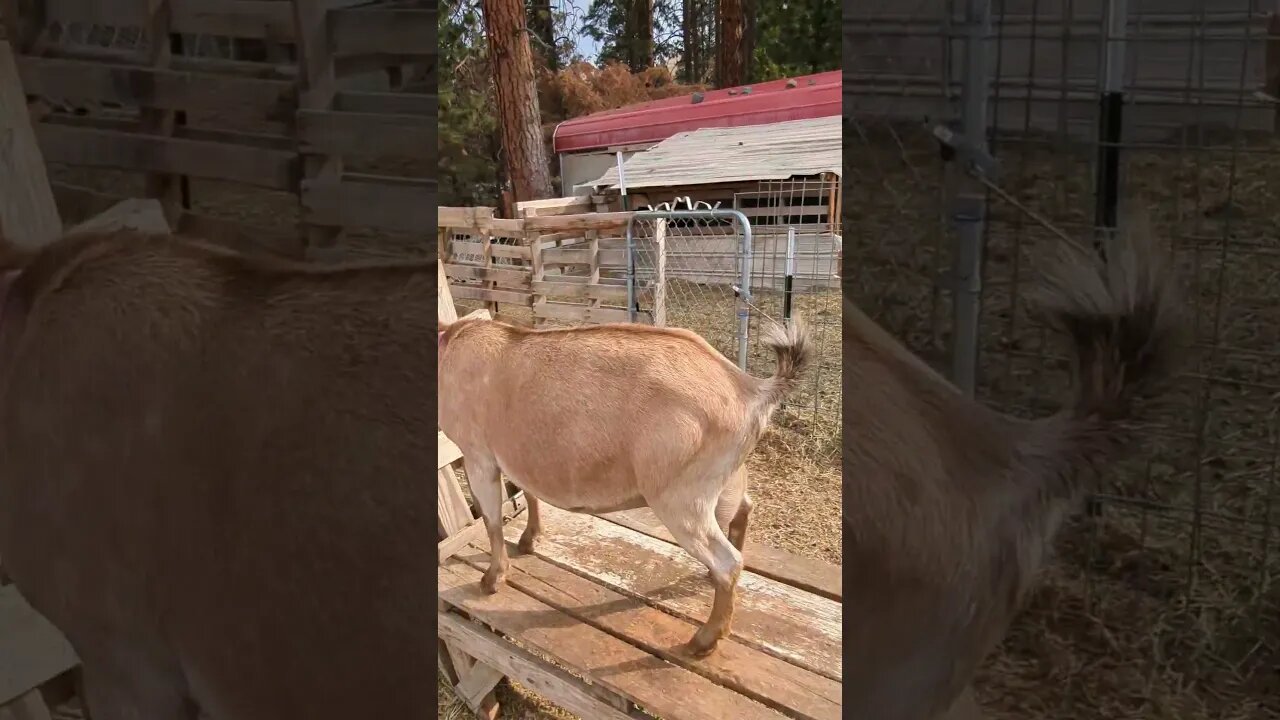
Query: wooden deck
[[610, 600]]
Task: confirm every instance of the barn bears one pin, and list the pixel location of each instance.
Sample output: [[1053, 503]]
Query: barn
[[587, 146]]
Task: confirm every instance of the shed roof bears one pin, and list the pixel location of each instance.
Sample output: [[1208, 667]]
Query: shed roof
[[807, 96], [776, 151]]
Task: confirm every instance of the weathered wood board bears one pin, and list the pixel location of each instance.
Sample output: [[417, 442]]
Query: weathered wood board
[[789, 623], [32, 651]]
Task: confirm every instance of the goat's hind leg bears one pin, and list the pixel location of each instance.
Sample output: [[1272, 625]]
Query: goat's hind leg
[[694, 526], [485, 480], [533, 525], [733, 508]]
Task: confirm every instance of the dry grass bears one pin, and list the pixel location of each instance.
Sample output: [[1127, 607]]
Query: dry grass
[[1164, 606]]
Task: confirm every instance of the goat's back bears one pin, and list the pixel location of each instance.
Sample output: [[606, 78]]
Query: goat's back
[[209, 461]]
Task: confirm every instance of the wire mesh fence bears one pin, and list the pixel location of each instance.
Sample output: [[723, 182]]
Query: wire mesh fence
[[700, 265], [1164, 603]]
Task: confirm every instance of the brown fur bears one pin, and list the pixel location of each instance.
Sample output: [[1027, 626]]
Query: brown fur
[[213, 477], [613, 417], [950, 508]]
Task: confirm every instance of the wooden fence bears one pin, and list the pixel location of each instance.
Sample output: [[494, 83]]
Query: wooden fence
[[353, 158], [557, 269]]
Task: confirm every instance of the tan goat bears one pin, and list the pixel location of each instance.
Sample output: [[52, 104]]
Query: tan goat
[[214, 477], [950, 508], [613, 417]]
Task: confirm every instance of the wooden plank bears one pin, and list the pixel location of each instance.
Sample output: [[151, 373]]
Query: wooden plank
[[144, 216], [447, 452], [554, 206], [34, 650], [507, 277], [28, 214], [90, 147], [468, 247], [28, 707], [396, 103], [807, 574], [395, 31], [588, 221], [478, 683], [259, 19], [579, 314], [112, 14], [482, 294], [159, 88], [238, 18], [659, 292], [282, 144], [788, 623], [451, 505], [165, 187], [582, 256], [327, 208], [392, 204], [614, 293], [764, 678], [652, 683], [446, 311], [530, 671], [464, 217], [366, 135]]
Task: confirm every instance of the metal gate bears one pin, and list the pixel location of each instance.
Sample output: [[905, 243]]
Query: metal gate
[[698, 265]]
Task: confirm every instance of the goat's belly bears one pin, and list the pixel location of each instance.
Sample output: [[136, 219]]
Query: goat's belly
[[593, 493]]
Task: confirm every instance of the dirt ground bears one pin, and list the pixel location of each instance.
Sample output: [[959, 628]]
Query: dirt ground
[[1165, 604]]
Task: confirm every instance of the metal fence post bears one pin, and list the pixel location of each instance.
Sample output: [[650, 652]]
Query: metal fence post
[[744, 297], [970, 203]]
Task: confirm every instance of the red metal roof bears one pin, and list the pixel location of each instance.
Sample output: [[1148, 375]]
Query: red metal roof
[[812, 96]]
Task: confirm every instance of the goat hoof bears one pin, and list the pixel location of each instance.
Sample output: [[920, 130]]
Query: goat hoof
[[525, 546], [699, 648], [489, 583]]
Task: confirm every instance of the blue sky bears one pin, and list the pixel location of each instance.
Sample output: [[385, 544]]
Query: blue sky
[[586, 46]]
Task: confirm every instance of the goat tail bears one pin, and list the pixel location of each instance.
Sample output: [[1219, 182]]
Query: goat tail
[[794, 347], [1123, 319]]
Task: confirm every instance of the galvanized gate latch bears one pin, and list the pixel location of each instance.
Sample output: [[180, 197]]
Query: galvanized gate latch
[[955, 146]]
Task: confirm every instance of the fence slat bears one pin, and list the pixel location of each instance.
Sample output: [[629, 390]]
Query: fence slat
[[392, 31], [92, 147], [366, 135], [149, 87], [393, 204]]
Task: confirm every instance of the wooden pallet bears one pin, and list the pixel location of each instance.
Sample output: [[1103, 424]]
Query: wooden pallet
[[608, 602]]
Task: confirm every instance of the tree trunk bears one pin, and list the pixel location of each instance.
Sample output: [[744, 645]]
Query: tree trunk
[[731, 57], [543, 24], [639, 35], [519, 119], [692, 44]]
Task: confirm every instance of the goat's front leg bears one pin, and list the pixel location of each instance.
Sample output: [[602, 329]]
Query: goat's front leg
[[533, 525], [486, 487], [700, 535]]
